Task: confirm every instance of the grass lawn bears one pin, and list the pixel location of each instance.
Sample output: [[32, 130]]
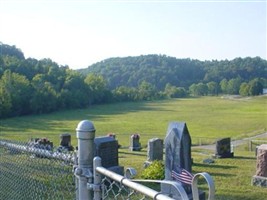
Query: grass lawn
[[206, 117]]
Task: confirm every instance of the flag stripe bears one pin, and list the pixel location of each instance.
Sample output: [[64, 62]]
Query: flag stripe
[[184, 176]]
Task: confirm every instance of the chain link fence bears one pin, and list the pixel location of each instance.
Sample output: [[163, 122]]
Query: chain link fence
[[28, 172]]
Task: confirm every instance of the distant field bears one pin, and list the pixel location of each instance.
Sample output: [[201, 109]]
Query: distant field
[[207, 117]]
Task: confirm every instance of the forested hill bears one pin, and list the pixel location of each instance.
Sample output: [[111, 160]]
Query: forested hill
[[31, 86], [160, 70]]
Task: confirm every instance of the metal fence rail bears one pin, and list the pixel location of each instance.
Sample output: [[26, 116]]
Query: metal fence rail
[[115, 186], [33, 173]]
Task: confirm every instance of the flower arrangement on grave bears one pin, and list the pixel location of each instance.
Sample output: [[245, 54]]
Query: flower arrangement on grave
[[111, 135], [135, 136]]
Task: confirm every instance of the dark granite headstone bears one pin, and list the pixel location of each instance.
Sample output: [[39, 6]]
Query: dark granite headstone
[[177, 155], [223, 148], [107, 149], [65, 142], [155, 149]]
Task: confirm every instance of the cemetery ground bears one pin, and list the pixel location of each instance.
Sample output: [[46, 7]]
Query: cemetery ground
[[207, 118]]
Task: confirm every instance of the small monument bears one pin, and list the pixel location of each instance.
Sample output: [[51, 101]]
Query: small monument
[[135, 145], [155, 150], [223, 148], [177, 156], [107, 149], [260, 179], [65, 143]]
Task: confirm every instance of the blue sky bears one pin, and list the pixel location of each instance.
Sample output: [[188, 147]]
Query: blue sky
[[82, 32]]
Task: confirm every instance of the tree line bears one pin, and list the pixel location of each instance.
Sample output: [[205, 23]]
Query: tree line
[[31, 86], [177, 77]]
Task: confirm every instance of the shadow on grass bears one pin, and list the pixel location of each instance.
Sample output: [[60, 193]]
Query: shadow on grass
[[49, 121], [213, 166], [133, 153], [244, 158]]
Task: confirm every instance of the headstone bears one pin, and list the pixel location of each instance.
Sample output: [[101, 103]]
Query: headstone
[[260, 179], [177, 155], [107, 149], [65, 142], [135, 145], [223, 148], [155, 151]]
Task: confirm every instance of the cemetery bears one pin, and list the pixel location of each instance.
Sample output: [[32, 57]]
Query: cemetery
[[233, 168]]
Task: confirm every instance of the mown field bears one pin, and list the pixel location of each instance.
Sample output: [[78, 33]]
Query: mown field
[[208, 118]]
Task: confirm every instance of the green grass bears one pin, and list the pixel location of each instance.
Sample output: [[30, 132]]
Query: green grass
[[207, 117]]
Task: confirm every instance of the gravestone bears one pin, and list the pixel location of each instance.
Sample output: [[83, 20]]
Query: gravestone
[[260, 179], [107, 149], [135, 145], [177, 156], [155, 151], [65, 142], [223, 148]]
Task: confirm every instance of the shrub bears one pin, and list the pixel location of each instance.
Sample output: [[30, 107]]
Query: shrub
[[155, 171]]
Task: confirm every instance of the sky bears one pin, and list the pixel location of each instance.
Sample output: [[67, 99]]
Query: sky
[[79, 33]]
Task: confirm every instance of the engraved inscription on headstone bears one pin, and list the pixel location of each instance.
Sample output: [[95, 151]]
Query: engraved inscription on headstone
[[107, 149]]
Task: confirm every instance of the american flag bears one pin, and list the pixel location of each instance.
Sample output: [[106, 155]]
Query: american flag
[[183, 176]]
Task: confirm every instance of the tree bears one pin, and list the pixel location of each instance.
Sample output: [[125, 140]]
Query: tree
[[213, 88], [233, 86], [244, 89], [44, 99], [224, 86], [97, 88], [174, 92], [124, 93], [255, 87], [146, 91], [16, 93]]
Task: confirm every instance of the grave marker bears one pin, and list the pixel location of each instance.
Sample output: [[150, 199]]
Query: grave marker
[[154, 151], [177, 157], [107, 149], [223, 148], [135, 145], [260, 179]]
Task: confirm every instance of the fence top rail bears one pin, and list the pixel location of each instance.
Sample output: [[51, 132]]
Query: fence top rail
[[135, 186], [259, 141], [24, 147]]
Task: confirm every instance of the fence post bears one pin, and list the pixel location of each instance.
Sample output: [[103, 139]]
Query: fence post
[[85, 134], [97, 179]]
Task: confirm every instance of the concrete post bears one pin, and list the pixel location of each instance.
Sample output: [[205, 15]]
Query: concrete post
[[85, 135]]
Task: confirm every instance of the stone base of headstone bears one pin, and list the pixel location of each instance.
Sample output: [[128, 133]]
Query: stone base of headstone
[[259, 181], [173, 193], [226, 155], [117, 169], [135, 148]]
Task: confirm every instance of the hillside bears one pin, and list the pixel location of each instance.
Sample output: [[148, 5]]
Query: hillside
[[160, 70]]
